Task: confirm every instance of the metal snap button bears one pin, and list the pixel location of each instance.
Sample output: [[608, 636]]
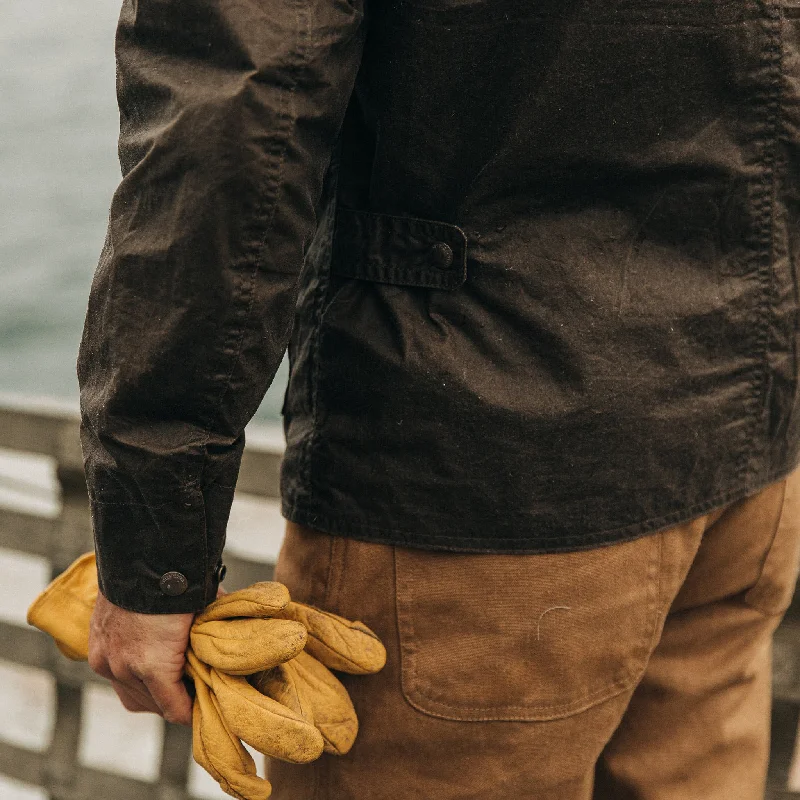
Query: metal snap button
[[173, 583], [220, 572], [442, 255]]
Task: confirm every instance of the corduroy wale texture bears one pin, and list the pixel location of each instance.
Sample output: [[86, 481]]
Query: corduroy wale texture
[[260, 666], [515, 248]]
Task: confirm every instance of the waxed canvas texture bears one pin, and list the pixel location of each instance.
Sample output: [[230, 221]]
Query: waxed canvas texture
[[534, 263], [622, 354]]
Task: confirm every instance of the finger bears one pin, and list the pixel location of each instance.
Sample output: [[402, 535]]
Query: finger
[[136, 687], [172, 699], [134, 701]]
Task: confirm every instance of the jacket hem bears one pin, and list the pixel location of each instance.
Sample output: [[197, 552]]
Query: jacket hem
[[311, 512]]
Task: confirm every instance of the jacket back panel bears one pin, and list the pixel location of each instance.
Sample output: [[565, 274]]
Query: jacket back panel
[[620, 352]]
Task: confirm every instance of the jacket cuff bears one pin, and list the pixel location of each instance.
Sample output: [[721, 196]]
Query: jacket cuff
[[141, 567], [159, 515]]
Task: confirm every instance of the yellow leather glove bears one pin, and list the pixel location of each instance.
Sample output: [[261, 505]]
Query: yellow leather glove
[[260, 665]]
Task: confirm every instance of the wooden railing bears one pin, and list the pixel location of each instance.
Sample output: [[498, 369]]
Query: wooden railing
[[52, 430]]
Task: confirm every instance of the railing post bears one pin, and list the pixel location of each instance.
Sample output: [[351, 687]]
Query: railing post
[[50, 429], [72, 537], [61, 764], [175, 754]]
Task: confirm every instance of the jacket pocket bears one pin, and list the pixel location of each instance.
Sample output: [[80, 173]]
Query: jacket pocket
[[525, 637], [773, 591]]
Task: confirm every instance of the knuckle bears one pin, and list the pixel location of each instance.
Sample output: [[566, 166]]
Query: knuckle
[[96, 662], [145, 672], [118, 668]]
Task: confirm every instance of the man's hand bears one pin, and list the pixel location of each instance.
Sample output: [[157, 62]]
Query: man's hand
[[143, 656]]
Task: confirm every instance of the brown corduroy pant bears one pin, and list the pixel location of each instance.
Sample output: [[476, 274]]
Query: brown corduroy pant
[[638, 670]]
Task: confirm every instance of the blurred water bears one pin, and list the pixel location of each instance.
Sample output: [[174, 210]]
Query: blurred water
[[58, 170]]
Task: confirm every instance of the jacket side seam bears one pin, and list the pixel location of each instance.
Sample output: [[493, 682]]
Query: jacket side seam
[[764, 240], [318, 305]]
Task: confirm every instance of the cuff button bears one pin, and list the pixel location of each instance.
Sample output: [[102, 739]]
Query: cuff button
[[173, 583]]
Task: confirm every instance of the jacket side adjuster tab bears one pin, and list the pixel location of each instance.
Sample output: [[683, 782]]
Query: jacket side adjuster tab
[[400, 250]]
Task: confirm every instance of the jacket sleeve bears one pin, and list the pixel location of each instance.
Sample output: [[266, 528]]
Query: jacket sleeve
[[229, 111]]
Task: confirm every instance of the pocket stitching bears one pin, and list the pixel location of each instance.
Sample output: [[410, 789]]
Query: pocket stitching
[[535, 711]]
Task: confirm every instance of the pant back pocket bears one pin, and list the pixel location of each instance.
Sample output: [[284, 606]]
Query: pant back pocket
[[525, 637]]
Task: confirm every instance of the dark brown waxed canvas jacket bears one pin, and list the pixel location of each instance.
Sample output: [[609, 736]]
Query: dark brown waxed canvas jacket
[[535, 263]]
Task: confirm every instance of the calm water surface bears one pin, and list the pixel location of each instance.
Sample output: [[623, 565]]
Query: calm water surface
[[58, 170]]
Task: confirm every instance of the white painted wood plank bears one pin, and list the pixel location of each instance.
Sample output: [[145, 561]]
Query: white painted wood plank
[[27, 697], [116, 741]]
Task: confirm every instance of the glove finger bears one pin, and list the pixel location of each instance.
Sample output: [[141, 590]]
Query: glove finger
[[65, 607], [260, 600], [337, 642], [307, 687], [279, 684], [244, 646], [221, 754], [269, 727]]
